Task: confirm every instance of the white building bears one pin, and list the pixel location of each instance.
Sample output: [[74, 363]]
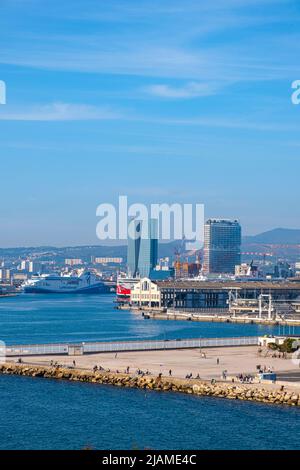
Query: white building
[[5, 275], [23, 265], [145, 293], [264, 341], [34, 267], [297, 268], [30, 266], [20, 277], [246, 270], [105, 260], [73, 261]]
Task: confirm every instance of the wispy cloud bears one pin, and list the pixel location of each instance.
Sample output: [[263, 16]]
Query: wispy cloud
[[58, 112], [189, 90], [119, 59], [241, 122], [83, 112], [188, 40], [242, 63]]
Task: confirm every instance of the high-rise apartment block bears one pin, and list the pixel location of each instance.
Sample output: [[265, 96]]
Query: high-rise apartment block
[[222, 246]]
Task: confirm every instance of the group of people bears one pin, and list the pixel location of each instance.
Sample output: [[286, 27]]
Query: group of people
[[190, 376], [245, 378], [98, 368], [279, 355], [126, 371], [54, 364], [142, 373], [265, 369]]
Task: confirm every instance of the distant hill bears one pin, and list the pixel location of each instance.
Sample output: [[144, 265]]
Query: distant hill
[[83, 252], [280, 236]]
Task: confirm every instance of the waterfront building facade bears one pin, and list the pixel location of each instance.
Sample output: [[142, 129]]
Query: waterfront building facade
[[222, 246], [214, 295], [253, 298], [145, 293]]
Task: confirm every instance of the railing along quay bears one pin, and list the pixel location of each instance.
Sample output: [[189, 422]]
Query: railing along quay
[[126, 346]]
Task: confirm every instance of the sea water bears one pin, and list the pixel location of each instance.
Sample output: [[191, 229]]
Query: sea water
[[45, 414]]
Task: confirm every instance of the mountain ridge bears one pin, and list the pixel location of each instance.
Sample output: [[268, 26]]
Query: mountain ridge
[[276, 236]]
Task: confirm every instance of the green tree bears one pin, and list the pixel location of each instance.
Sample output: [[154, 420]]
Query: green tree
[[287, 345]]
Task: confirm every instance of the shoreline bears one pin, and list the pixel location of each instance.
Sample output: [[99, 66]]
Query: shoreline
[[214, 318], [234, 391], [206, 364]]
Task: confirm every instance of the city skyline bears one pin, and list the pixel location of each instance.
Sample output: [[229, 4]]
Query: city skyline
[[150, 231], [162, 102]]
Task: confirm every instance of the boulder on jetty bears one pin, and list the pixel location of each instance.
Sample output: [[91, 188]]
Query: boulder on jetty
[[197, 387]]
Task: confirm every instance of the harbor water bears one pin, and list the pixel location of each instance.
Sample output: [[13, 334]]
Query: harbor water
[[45, 318], [44, 414]]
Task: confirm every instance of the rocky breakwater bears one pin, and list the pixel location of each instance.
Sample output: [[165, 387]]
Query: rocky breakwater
[[230, 391]]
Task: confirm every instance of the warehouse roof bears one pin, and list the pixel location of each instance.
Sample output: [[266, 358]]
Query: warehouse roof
[[229, 284]]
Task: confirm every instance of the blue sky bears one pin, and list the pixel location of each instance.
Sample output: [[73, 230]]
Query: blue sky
[[163, 101]]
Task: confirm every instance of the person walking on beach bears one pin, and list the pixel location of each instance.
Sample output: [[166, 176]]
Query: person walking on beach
[[74, 364], [218, 361], [170, 373]]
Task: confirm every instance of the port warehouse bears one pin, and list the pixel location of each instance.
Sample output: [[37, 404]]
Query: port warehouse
[[198, 295]]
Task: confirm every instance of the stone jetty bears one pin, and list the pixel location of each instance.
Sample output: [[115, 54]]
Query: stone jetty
[[233, 391]]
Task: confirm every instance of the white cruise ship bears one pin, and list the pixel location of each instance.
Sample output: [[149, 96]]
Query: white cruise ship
[[85, 283]]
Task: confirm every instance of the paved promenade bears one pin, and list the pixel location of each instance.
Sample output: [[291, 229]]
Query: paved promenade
[[208, 363]]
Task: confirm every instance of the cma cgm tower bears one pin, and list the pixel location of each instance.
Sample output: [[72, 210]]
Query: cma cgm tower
[[222, 246], [142, 247]]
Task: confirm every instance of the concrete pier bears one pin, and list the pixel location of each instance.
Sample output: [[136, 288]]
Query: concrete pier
[[208, 363], [217, 318]]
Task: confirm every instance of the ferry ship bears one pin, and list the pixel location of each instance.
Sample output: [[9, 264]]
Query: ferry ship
[[124, 287], [85, 283]]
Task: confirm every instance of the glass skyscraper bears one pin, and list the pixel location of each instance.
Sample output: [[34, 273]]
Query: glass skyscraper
[[142, 248], [222, 246], [133, 248]]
